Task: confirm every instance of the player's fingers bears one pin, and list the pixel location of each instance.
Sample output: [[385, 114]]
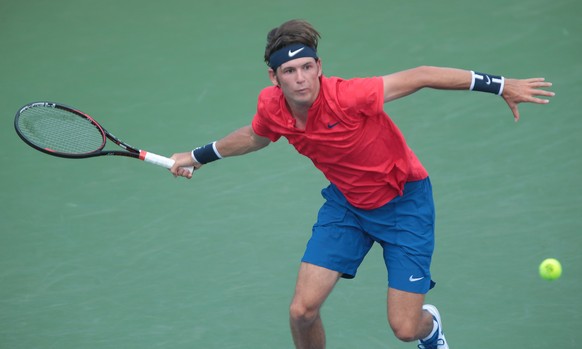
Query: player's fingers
[[541, 84], [544, 93], [538, 100], [515, 112], [183, 172], [174, 169], [535, 79], [178, 171]]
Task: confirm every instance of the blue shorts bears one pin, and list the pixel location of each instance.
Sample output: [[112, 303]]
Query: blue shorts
[[404, 227]]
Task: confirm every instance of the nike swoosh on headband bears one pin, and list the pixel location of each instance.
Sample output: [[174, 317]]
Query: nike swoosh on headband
[[293, 53]]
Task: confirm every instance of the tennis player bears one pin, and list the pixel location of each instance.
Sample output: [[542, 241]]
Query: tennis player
[[379, 191]]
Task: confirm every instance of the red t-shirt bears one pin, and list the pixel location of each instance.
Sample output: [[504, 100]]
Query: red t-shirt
[[348, 136]]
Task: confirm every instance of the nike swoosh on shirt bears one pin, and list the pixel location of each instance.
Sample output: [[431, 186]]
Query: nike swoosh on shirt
[[332, 125], [413, 279], [293, 53]]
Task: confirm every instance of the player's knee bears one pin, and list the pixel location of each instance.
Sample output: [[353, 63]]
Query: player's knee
[[405, 331], [303, 314]]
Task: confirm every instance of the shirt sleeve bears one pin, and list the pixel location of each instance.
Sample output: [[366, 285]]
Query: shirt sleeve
[[260, 128], [262, 125], [364, 96]]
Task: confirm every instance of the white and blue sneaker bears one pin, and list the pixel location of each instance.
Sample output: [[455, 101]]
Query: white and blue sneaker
[[437, 341]]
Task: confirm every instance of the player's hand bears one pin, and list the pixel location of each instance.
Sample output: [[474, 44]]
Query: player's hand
[[182, 161], [518, 91]]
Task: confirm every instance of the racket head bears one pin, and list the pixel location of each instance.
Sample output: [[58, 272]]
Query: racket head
[[59, 130]]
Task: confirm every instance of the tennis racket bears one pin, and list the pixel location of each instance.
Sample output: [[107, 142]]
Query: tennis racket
[[62, 131]]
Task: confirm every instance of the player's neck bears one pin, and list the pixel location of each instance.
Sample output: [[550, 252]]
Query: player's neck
[[299, 113]]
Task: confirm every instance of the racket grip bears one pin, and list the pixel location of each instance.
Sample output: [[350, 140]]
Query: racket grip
[[160, 160]]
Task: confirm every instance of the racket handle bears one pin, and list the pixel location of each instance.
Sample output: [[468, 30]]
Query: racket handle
[[160, 160]]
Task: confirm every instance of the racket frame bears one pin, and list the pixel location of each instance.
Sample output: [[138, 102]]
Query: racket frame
[[129, 151]]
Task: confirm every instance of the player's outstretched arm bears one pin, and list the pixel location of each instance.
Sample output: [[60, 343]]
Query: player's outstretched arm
[[403, 83], [513, 91], [239, 142]]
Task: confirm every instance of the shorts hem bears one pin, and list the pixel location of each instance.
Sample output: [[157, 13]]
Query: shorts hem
[[336, 268], [420, 289]]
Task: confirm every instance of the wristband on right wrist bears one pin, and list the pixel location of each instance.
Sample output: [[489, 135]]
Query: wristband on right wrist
[[206, 153]]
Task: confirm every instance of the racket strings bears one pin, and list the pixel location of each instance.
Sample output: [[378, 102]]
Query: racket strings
[[60, 131]]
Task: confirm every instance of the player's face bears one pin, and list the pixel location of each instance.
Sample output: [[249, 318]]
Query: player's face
[[299, 80]]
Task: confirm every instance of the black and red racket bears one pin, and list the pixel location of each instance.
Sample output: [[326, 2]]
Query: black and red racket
[[65, 132]]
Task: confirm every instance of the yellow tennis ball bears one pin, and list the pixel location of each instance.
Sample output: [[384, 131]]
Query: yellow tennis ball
[[550, 269]]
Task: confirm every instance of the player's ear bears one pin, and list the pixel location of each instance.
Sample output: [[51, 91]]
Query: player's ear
[[273, 77], [318, 62]]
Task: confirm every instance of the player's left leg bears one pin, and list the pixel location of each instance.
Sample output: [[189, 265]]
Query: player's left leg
[[405, 229], [406, 317], [411, 320]]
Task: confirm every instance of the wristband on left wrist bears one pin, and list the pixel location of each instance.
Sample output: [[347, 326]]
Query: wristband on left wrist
[[487, 83]]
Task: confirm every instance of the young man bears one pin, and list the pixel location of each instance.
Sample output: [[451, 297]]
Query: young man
[[379, 190]]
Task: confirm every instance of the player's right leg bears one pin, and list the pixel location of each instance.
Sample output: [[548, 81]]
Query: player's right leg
[[314, 284], [336, 248]]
